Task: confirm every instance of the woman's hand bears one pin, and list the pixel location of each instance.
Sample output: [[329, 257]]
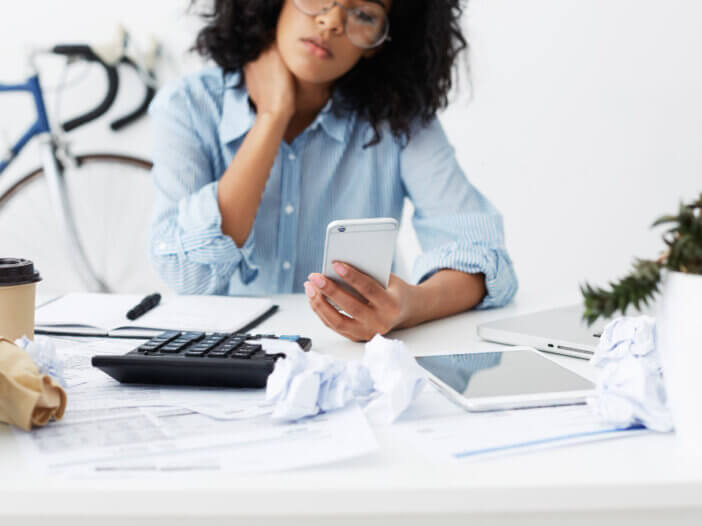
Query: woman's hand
[[270, 84], [386, 309], [240, 189], [401, 305]]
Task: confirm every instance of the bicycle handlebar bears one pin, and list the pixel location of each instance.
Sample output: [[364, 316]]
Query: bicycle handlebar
[[86, 53], [127, 119]]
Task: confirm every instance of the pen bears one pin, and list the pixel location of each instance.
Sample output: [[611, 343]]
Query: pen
[[144, 306]]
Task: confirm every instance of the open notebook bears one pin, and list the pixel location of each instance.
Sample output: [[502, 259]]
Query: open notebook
[[105, 314]]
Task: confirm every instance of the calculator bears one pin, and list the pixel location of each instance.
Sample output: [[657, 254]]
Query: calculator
[[202, 359]]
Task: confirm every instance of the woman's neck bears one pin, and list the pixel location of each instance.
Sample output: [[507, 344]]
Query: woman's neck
[[310, 98]]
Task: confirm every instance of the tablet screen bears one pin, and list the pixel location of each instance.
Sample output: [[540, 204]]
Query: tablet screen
[[509, 373]]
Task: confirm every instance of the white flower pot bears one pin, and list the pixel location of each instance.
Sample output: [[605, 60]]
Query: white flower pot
[[679, 333]]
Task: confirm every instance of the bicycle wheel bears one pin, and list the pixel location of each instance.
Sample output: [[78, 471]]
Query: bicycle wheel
[[111, 197]]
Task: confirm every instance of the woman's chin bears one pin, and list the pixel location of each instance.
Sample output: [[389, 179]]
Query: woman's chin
[[312, 70], [311, 76]]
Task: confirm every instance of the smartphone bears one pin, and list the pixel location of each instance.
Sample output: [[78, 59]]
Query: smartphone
[[366, 244]]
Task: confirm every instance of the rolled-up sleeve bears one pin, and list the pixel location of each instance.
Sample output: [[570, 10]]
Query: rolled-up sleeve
[[187, 247], [457, 227]]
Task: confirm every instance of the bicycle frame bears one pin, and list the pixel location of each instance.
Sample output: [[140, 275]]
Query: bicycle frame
[[41, 125], [55, 178]]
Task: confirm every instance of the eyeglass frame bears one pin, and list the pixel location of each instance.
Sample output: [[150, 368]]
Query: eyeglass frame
[[335, 3]]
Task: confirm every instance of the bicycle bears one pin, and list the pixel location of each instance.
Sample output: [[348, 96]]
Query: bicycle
[[80, 188]]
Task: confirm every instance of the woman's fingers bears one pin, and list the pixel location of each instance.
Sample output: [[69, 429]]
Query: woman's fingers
[[344, 300], [332, 318], [382, 312], [366, 286]]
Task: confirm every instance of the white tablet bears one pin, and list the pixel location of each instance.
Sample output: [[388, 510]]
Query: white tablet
[[511, 379]]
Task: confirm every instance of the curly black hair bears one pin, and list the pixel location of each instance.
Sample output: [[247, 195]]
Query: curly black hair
[[408, 78]]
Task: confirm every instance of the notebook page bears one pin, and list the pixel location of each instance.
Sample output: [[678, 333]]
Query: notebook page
[[201, 313], [86, 309]]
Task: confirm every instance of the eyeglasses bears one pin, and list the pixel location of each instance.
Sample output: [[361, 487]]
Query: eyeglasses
[[366, 26]]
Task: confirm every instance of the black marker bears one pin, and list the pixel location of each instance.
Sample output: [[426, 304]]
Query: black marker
[[144, 306]]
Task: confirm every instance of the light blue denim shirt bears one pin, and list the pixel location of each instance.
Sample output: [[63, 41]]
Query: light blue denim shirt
[[200, 122]]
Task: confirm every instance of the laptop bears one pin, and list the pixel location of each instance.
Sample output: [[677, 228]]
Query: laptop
[[560, 331]]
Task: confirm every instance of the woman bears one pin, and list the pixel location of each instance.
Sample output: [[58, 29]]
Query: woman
[[321, 110]]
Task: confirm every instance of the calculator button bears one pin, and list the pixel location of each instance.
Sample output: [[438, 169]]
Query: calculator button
[[149, 346], [171, 348], [246, 350], [193, 336], [214, 339], [169, 335], [233, 343], [194, 353]]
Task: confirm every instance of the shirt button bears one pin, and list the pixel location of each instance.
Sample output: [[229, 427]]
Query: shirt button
[[286, 265], [291, 156], [289, 209]]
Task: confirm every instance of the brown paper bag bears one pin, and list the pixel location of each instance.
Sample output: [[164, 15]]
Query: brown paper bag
[[27, 398]]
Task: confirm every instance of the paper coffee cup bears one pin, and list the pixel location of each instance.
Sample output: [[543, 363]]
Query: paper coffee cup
[[18, 282]]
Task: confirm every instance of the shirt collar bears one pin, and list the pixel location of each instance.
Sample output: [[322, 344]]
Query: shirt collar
[[333, 120], [238, 117]]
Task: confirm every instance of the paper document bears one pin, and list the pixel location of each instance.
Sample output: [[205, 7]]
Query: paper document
[[162, 440], [105, 314], [443, 431], [91, 389], [112, 429]]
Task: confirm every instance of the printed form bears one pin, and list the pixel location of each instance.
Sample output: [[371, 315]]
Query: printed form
[[445, 432], [111, 429]]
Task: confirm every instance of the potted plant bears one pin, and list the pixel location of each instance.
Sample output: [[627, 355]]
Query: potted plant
[[679, 318]]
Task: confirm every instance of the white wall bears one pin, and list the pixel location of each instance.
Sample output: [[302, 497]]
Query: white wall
[[584, 125]]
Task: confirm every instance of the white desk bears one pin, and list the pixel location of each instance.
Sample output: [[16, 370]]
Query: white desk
[[642, 480]]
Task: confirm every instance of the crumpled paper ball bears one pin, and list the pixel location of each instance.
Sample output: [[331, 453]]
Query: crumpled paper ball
[[630, 388], [43, 352], [307, 383]]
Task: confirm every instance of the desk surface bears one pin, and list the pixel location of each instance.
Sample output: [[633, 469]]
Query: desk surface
[[645, 479]]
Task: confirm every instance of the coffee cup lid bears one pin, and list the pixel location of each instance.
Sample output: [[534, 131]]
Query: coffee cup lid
[[14, 271]]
